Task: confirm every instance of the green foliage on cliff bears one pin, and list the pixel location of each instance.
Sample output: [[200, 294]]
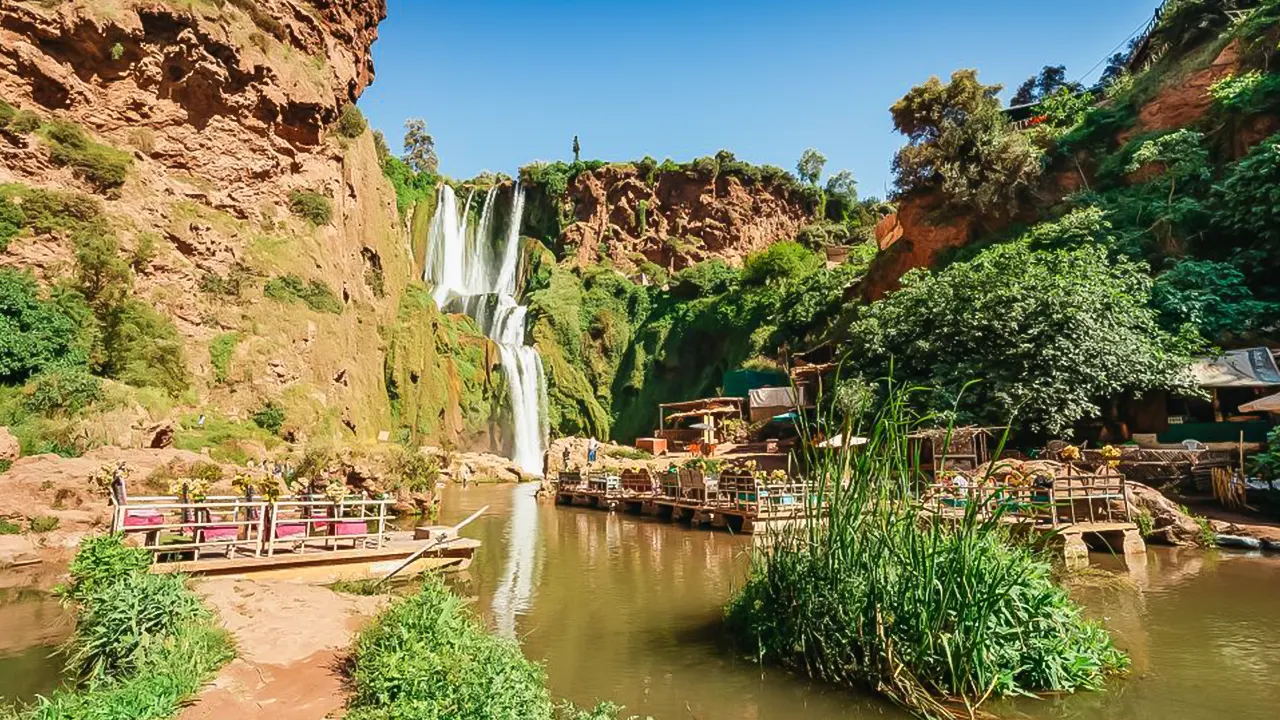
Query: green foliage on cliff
[[102, 166], [103, 326], [439, 371], [314, 293], [614, 349], [312, 206]]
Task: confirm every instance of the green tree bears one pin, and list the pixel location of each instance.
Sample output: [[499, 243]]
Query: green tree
[[1049, 335], [809, 167], [35, 333], [419, 147], [960, 143], [1213, 297], [1049, 81]]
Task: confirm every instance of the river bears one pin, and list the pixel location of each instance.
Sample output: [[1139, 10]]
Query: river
[[627, 608]]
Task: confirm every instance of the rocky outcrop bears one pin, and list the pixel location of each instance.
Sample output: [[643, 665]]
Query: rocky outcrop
[[914, 237], [1168, 523], [1184, 101], [9, 447], [676, 219]]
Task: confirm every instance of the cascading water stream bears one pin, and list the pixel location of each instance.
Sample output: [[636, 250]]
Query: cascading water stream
[[475, 269]]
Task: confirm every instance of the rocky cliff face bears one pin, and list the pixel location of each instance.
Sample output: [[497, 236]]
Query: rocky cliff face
[[675, 219], [226, 111]]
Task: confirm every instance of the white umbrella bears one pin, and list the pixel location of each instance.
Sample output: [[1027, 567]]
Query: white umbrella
[[1271, 404]]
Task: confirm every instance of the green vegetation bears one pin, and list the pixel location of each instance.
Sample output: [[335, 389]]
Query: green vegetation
[[351, 123], [62, 391], [311, 206], [9, 528], [88, 320], [221, 349], [959, 144], [427, 657], [439, 379], [613, 349], [270, 417], [102, 166], [412, 470], [227, 440], [291, 288], [43, 524], [143, 643], [929, 614], [1050, 334]]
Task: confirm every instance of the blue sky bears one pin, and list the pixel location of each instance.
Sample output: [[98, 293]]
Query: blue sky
[[503, 82]]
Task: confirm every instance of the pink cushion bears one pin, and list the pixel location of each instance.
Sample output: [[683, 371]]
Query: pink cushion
[[348, 528], [220, 532], [285, 530], [142, 518]]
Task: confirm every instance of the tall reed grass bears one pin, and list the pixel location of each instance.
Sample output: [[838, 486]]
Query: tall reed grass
[[937, 616], [427, 658], [143, 643]]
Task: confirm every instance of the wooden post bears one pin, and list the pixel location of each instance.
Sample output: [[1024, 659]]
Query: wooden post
[[1217, 406]]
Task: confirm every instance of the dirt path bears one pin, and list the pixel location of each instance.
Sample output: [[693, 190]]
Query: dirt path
[[290, 643]]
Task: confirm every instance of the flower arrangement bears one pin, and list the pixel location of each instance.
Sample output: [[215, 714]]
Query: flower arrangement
[[104, 476], [1070, 453], [1111, 456], [196, 489], [336, 491]]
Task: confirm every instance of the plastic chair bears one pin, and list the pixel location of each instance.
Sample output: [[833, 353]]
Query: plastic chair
[[1190, 444]]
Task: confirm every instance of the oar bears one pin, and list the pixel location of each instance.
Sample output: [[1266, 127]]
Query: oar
[[433, 545]]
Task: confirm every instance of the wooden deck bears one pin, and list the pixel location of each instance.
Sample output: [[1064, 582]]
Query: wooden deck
[[329, 566], [739, 504]]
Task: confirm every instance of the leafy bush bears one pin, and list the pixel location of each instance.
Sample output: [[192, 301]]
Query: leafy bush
[[1244, 203], [707, 278], [1250, 93], [43, 524], [63, 390], [311, 206], [351, 123], [144, 349], [414, 471], [102, 166], [35, 333], [269, 417], [316, 295], [9, 528], [780, 263], [11, 222], [221, 349], [1213, 297]]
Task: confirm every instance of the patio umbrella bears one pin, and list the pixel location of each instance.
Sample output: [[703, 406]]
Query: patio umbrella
[[838, 441], [1270, 404], [785, 417], [699, 426]]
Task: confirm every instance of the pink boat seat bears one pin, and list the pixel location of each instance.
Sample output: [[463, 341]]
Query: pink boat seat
[[288, 530], [348, 528], [220, 532]]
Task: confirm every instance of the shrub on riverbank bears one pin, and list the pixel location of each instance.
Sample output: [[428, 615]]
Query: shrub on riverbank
[[428, 658], [143, 643], [935, 616]]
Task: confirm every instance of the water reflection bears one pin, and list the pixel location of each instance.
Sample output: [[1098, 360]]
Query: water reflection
[[627, 608], [514, 594]]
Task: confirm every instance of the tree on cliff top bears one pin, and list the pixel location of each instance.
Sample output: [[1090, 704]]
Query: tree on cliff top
[[960, 143], [809, 168], [419, 147], [1038, 87]]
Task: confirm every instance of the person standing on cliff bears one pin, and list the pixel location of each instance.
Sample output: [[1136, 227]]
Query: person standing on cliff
[[567, 457], [592, 446]]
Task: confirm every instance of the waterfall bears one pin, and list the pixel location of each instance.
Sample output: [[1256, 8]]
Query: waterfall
[[474, 270]]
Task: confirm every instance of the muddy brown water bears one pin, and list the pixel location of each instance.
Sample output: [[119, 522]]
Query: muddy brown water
[[627, 608]]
